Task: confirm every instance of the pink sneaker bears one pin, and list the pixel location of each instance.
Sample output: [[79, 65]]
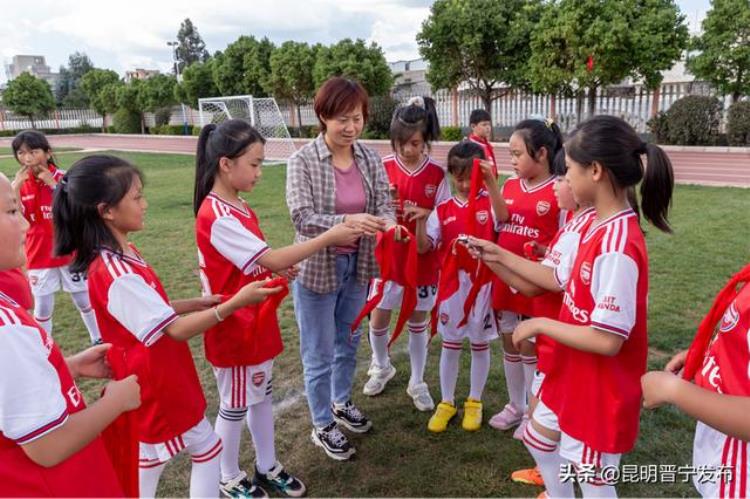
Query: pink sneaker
[[518, 434], [507, 418]]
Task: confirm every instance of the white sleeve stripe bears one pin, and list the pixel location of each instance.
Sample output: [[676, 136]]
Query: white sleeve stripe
[[610, 329], [9, 317], [557, 278], [624, 235], [108, 265], [151, 337], [43, 430], [254, 258]]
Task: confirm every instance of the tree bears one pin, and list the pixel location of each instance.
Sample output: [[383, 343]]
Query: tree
[[132, 98], [158, 91], [243, 67], [587, 44], [197, 82], [291, 75], [482, 43], [29, 96], [68, 93], [92, 84], [355, 60], [724, 45], [190, 46]]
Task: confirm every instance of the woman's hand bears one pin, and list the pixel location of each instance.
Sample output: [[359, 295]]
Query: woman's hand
[[289, 273], [413, 213], [370, 225]]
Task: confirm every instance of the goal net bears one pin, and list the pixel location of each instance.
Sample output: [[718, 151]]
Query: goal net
[[262, 113]]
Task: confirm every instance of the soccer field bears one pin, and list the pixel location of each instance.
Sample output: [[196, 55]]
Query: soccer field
[[399, 457]]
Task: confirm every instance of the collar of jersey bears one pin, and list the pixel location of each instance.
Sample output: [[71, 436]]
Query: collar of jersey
[[595, 226], [242, 210]]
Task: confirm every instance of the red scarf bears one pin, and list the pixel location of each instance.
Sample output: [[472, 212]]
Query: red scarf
[[121, 436], [398, 263], [706, 329], [266, 310], [488, 147]]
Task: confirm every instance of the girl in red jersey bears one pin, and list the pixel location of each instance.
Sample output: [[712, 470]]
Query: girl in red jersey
[[418, 184], [232, 252], [49, 438], [719, 395], [35, 184], [534, 219], [99, 203], [592, 392]]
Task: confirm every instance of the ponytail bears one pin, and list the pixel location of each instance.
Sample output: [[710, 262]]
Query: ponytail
[[538, 133], [230, 139], [79, 227], [657, 187], [419, 115]]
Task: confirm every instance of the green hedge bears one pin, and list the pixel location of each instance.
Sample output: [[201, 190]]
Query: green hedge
[[55, 131], [738, 124], [451, 133], [126, 121], [691, 121]]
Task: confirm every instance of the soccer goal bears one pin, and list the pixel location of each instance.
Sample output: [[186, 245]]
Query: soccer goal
[[262, 113]]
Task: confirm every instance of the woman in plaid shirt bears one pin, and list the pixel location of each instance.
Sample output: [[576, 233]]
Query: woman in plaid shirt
[[335, 179]]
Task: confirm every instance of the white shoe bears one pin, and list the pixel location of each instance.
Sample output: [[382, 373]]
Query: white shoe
[[420, 394], [379, 377]]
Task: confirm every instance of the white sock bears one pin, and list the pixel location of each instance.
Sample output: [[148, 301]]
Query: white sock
[[44, 305], [206, 470], [81, 300], [589, 489], [229, 425], [148, 480], [514, 380], [379, 345], [529, 368], [480, 369], [547, 457], [449, 356], [260, 422], [418, 339]]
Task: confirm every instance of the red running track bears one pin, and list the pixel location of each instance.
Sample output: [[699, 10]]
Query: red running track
[[692, 165]]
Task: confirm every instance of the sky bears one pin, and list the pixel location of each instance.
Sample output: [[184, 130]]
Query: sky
[[123, 35]]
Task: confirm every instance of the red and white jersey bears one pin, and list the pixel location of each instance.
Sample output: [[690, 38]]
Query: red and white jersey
[[37, 395], [132, 310], [607, 290], [533, 216], [448, 221], [36, 206], [14, 283], [561, 254], [726, 370], [489, 153], [425, 187], [230, 243]]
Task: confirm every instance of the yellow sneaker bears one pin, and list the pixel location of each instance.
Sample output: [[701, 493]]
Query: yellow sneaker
[[530, 476], [472, 415], [443, 414]]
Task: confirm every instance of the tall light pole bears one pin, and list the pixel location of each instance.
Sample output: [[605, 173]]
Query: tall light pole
[[173, 45]]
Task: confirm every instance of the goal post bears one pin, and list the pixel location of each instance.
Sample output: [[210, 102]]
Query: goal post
[[262, 112]]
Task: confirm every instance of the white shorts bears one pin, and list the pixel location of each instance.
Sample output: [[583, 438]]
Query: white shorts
[[536, 383], [47, 281], [480, 326], [545, 417], [508, 320], [243, 386], [724, 460], [393, 293], [200, 441]]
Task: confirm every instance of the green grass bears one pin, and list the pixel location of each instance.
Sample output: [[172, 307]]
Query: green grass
[[7, 151], [399, 457]]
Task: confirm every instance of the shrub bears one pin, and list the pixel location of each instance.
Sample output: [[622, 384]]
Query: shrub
[[381, 110], [126, 121], [691, 121], [451, 133], [738, 124], [162, 115]]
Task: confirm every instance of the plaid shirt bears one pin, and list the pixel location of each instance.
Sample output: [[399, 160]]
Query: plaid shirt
[[311, 198]]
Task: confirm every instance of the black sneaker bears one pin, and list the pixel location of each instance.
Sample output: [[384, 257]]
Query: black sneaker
[[279, 480], [334, 442], [241, 487], [351, 417]]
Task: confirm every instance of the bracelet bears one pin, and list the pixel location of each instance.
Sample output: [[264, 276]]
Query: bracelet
[[216, 314]]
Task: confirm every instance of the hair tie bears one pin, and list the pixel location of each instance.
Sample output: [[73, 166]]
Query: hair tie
[[548, 122], [64, 183], [416, 101], [643, 148]]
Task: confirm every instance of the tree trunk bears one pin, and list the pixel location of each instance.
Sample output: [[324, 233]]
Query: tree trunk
[[299, 119], [579, 106], [31, 118], [486, 95], [592, 101], [143, 124]]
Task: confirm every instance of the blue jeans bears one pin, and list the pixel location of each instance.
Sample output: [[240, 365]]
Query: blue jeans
[[327, 346]]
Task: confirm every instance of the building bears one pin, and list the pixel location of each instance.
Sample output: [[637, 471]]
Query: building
[[409, 78], [33, 64], [140, 74]]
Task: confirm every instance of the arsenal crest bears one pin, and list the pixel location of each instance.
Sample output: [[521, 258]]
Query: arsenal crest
[[542, 208], [258, 378], [586, 273], [429, 190], [729, 319], [443, 319], [483, 216]]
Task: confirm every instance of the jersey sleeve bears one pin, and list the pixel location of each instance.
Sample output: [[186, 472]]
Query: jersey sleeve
[[31, 400], [560, 257], [139, 308], [432, 228], [614, 284], [443, 192], [236, 243]]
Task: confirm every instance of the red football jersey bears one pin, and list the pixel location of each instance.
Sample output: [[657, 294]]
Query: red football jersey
[[132, 310], [425, 187], [14, 283], [37, 394], [489, 153], [561, 254], [534, 216], [448, 221], [598, 398], [229, 246], [36, 205]]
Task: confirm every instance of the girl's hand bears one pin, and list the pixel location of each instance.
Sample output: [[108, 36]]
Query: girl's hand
[[90, 363], [402, 234], [677, 362], [253, 293], [126, 392], [344, 234], [370, 225], [487, 174], [657, 388], [486, 250], [289, 273], [21, 175], [206, 302], [533, 249], [412, 213], [525, 330]]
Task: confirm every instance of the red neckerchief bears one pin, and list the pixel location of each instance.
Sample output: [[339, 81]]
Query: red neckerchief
[[706, 329], [457, 257], [398, 263], [485, 142], [266, 310], [121, 436]]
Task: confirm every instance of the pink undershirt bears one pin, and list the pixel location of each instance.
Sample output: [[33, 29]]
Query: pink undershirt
[[350, 197]]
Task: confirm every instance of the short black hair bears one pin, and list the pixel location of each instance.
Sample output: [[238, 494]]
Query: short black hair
[[461, 157], [479, 115]]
